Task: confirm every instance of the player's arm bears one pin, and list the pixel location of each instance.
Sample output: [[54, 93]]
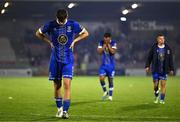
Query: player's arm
[[82, 35], [171, 64], [43, 37], [112, 49], [149, 60], [101, 49]]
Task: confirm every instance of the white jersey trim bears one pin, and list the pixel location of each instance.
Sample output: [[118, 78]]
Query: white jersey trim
[[114, 47], [99, 46], [83, 30], [40, 31]]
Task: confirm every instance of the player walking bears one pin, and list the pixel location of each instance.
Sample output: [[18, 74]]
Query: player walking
[[59, 34], [161, 60]]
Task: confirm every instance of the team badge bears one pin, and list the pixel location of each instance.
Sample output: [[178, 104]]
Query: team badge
[[168, 51], [62, 39]]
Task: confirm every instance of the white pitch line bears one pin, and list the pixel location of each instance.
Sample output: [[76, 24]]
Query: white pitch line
[[124, 117], [35, 114], [115, 117]]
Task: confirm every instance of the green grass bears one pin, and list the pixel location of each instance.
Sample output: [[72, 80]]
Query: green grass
[[32, 100]]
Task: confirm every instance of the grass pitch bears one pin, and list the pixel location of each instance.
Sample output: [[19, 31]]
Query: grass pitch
[[31, 99]]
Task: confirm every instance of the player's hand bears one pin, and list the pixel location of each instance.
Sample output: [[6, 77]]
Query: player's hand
[[72, 45], [171, 73], [106, 42], [51, 44], [109, 41], [104, 45], [147, 70], [108, 45]]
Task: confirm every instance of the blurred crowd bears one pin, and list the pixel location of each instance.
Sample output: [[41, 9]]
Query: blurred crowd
[[132, 47]]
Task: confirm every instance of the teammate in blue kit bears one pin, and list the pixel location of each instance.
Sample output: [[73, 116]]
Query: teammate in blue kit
[[107, 48], [59, 34], [161, 60]]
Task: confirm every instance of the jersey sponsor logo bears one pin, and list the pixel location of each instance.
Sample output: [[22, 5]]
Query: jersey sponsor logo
[[55, 29], [62, 39], [69, 29]]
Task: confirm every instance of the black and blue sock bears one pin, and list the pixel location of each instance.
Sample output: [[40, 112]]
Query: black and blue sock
[[103, 85], [111, 88]]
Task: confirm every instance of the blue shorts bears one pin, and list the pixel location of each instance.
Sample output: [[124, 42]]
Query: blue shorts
[[57, 70], [159, 76], [107, 71]]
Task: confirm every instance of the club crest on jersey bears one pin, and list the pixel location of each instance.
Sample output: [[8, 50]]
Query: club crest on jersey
[[168, 51], [62, 39]]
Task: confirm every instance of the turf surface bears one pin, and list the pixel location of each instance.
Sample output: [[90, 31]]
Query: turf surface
[[31, 99]]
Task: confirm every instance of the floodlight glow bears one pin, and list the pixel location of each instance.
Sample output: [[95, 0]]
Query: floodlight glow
[[2, 11], [123, 19], [71, 5], [125, 11], [134, 6], [6, 4]]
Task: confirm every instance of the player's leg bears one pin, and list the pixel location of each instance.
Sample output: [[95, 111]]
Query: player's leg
[[156, 87], [67, 77], [163, 91], [58, 97], [111, 88], [111, 83], [102, 82], [103, 85], [163, 88], [54, 75], [67, 96], [102, 74]]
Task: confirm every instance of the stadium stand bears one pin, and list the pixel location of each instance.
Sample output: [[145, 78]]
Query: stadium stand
[[7, 54]]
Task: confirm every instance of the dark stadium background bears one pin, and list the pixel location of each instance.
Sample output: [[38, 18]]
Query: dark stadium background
[[21, 53], [28, 98]]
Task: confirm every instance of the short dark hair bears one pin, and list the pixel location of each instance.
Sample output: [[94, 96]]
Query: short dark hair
[[159, 34], [107, 34], [61, 15]]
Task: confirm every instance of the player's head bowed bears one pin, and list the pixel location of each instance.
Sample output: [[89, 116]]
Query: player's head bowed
[[107, 34], [62, 16]]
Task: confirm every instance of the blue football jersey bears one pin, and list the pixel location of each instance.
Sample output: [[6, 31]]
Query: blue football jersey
[[107, 57], [62, 36], [161, 58]]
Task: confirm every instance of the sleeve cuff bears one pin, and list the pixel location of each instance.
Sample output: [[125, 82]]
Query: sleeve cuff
[[99, 46], [82, 31], [114, 47], [40, 31]]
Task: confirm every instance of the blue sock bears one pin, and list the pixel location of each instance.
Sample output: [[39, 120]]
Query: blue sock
[[58, 102], [162, 96], [111, 88], [103, 86], [66, 104]]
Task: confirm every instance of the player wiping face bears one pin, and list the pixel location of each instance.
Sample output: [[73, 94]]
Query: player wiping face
[[107, 48]]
